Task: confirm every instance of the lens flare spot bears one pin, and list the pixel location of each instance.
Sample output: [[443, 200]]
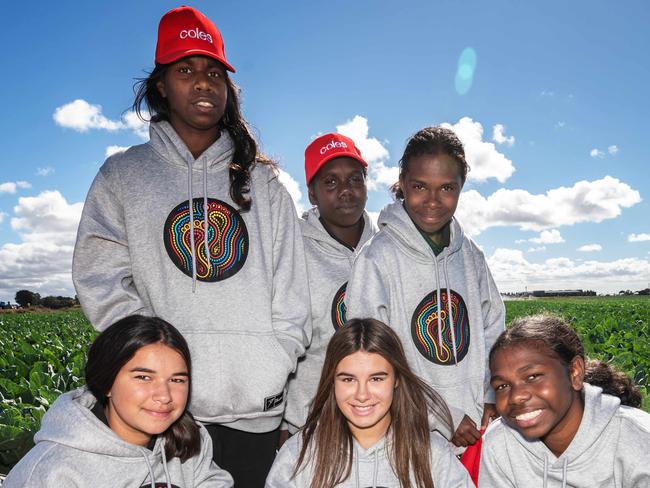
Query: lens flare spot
[[465, 72]]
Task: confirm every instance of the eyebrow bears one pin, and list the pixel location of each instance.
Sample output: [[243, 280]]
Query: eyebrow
[[147, 370], [522, 369], [378, 373]]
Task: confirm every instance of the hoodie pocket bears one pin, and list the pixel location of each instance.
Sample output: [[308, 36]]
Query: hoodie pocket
[[237, 375]]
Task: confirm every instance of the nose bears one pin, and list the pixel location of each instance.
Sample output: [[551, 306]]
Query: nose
[[432, 198], [519, 395], [201, 80], [362, 393], [161, 392]]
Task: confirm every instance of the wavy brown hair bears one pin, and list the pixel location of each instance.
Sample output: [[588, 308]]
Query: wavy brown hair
[[326, 437], [246, 154]]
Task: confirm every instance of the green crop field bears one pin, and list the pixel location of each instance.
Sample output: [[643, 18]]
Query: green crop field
[[42, 355]]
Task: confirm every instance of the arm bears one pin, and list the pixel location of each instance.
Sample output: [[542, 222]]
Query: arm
[[101, 266], [494, 316], [206, 473], [367, 294], [291, 309]]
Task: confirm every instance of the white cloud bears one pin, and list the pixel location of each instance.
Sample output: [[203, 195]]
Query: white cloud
[[585, 201], [590, 248], [293, 187], [536, 249], [638, 237], [484, 159], [2, 216], [44, 171], [596, 153], [82, 116], [552, 236], [372, 150], [612, 150], [513, 272], [110, 150], [560, 124], [41, 262], [499, 137], [12, 186]]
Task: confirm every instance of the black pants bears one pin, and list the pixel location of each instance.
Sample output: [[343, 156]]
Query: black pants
[[246, 456]]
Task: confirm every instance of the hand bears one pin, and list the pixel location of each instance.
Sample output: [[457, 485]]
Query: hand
[[284, 435], [466, 434], [489, 413]]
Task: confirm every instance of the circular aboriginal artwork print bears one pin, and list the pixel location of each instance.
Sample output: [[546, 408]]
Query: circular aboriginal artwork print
[[424, 328], [227, 240], [338, 307]]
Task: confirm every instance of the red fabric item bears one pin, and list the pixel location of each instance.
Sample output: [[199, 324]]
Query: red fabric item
[[184, 31], [327, 147], [471, 458]]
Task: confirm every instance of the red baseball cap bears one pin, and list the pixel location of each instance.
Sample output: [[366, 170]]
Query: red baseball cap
[[329, 146], [184, 31]]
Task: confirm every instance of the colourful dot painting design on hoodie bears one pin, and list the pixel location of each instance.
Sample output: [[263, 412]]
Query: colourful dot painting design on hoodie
[[227, 240], [338, 307], [424, 328]]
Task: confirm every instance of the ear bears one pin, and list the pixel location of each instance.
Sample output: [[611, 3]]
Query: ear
[[577, 373], [161, 88], [312, 196]]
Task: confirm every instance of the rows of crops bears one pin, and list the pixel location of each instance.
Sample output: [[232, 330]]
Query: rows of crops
[[43, 355]]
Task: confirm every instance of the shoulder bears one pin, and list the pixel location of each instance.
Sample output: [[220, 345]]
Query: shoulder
[[126, 158], [43, 463], [635, 423], [378, 246], [496, 434]]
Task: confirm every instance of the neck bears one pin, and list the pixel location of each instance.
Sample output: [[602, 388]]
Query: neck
[[369, 436], [198, 141], [350, 235]]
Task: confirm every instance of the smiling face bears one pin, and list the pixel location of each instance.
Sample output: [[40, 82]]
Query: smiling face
[[196, 92], [536, 394], [431, 186], [363, 386], [339, 190], [148, 395]]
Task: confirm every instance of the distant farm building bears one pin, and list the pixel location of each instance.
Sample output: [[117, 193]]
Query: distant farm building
[[563, 293]]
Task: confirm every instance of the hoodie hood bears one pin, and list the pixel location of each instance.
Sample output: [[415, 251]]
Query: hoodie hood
[[312, 228], [166, 142], [396, 221]]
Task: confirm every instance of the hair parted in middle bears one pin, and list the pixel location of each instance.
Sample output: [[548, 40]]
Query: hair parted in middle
[[115, 347], [326, 438], [434, 141], [246, 153]]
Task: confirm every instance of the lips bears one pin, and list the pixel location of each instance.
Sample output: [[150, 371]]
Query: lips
[[162, 414], [362, 410], [527, 419]]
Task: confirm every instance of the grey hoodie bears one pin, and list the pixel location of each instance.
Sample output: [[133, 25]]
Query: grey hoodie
[[370, 467], [397, 279], [610, 450], [74, 449], [328, 264], [245, 314]]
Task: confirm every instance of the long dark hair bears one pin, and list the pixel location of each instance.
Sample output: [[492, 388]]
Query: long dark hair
[[246, 153], [116, 345], [434, 141], [552, 332], [326, 437]]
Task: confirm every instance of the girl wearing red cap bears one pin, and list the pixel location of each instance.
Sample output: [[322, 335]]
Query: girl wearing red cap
[[195, 227]]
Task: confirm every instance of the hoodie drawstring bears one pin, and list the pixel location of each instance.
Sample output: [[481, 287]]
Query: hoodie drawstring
[[191, 203], [564, 468], [374, 472], [356, 465], [356, 468], [146, 460], [438, 300], [205, 211], [545, 471], [450, 315], [165, 467]]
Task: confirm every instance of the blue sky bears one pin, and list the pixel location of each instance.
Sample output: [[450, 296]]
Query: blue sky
[[553, 116]]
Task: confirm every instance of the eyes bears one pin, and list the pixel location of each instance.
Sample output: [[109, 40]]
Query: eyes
[[501, 386], [446, 188], [188, 70], [372, 379], [354, 181], [145, 378]]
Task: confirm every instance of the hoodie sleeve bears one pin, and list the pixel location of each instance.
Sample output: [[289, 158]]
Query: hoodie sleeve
[[367, 294], [291, 308], [281, 474], [206, 473], [491, 474], [445, 466], [101, 265], [494, 314]]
